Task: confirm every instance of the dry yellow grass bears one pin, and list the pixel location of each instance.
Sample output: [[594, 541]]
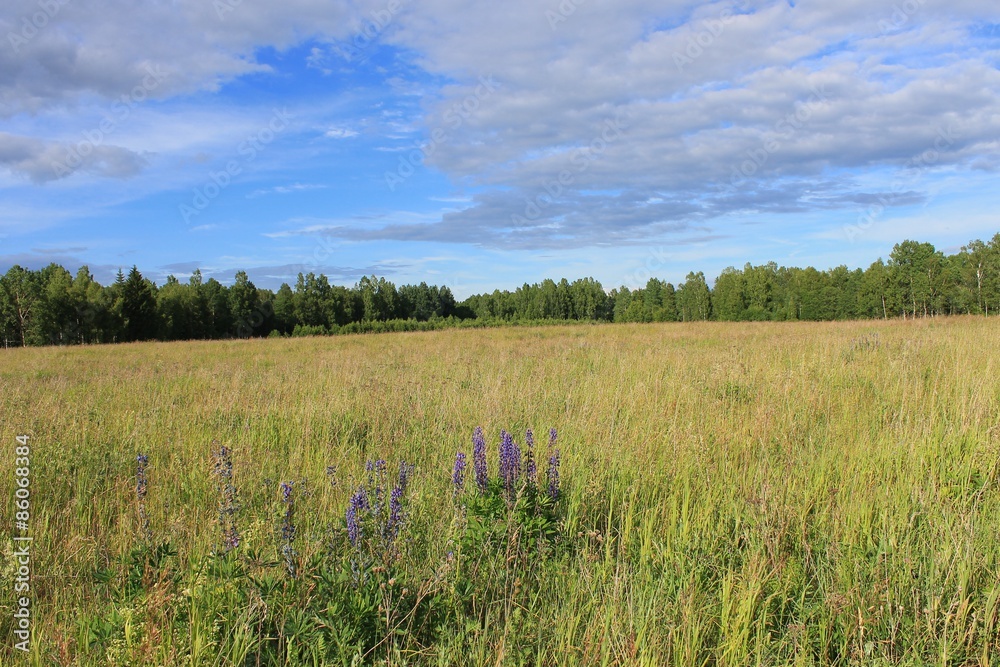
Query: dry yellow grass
[[845, 467]]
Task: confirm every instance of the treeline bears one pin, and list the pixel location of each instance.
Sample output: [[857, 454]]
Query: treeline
[[916, 281], [51, 306]]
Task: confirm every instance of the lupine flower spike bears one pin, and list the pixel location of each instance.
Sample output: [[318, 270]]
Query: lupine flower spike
[[395, 517], [358, 504], [530, 467], [141, 484], [510, 464], [223, 469], [458, 473], [288, 529], [479, 459], [553, 471]]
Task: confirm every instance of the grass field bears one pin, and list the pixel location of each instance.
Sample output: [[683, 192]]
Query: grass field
[[732, 494]]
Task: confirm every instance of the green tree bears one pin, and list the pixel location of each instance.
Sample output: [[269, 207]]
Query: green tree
[[218, 320], [873, 293], [89, 306], [284, 309], [23, 291], [729, 304], [244, 306], [694, 300], [913, 267], [60, 313], [138, 307], [758, 290]]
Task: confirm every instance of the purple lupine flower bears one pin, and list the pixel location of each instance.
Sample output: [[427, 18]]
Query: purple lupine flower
[[553, 474], [376, 480], [231, 539], [405, 473], [395, 514], [223, 462], [510, 463], [141, 484], [358, 503], [140, 476], [479, 459], [222, 467], [530, 467], [458, 473], [288, 529]]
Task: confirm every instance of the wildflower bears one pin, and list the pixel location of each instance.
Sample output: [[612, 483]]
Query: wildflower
[[288, 528], [552, 474], [141, 484], [358, 503], [510, 463], [405, 473], [395, 515], [230, 538], [222, 467], [530, 467], [479, 459], [140, 476], [458, 473], [376, 481]]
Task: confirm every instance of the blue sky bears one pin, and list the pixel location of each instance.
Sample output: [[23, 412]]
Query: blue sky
[[487, 146]]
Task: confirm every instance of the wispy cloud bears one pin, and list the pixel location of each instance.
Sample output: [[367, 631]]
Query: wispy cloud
[[287, 189], [340, 133]]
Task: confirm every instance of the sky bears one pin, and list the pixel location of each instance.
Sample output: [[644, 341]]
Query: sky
[[485, 145]]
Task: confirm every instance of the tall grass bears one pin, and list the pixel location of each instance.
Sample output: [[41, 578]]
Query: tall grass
[[733, 494]]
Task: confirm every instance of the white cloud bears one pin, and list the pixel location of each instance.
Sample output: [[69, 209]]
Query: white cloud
[[721, 107], [43, 161], [340, 133]]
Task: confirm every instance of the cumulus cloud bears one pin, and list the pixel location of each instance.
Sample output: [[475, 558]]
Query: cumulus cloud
[[607, 123], [43, 161], [731, 107], [103, 47]]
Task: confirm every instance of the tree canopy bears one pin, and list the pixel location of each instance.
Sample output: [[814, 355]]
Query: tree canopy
[[51, 306]]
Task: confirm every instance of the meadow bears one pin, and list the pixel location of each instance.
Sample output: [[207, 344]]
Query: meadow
[[729, 494]]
